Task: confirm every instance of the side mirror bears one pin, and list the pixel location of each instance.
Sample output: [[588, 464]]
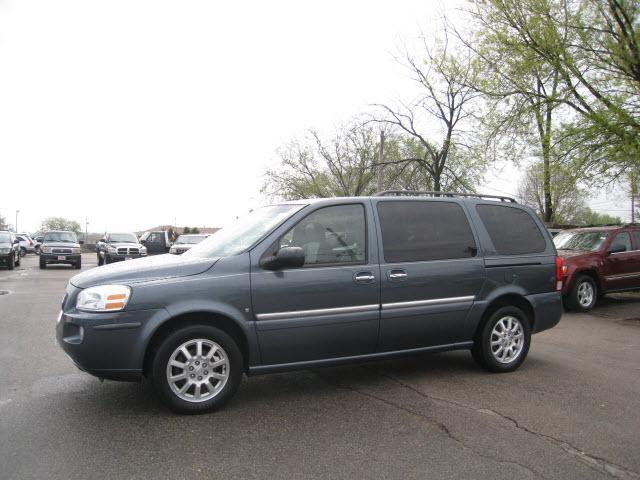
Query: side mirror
[[616, 248], [102, 240], [287, 257], [81, 242], [16, 241]]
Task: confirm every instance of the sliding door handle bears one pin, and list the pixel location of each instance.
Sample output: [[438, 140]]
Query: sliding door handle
[[397, 275]]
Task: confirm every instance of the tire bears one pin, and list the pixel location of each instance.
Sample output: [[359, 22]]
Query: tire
[[18, 261], [583, 294], [11, 263], [106, 260], [23, 251], [36, 250], [220, 389], [488, 355], [78, 265], [43, 264], [100, 261]]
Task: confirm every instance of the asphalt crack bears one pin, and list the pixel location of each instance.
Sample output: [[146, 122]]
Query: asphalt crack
[[439, 425], [597, 463]]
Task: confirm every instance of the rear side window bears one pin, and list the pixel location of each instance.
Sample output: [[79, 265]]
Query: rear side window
[[512, 230], [414, 231], [623, 239], [636, 236]]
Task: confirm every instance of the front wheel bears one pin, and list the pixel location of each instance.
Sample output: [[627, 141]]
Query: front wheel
[[23, 251], [18, 260], [197, 369], [43, 264], [100, 261], [78, 265], [503, 343], [11, 262], [583, 295]]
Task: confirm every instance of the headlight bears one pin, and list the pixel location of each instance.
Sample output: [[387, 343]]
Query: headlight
[[46, 249], [111, 249], [5, 250], [143, 249], [104, 298], [75, 250]]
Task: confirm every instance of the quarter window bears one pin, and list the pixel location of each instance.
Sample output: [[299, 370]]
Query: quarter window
[[330, 235], [636, 236], [512, 230], [415, 231]]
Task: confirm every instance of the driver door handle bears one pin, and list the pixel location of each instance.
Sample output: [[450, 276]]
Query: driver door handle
[[363, 277], [397, 275]]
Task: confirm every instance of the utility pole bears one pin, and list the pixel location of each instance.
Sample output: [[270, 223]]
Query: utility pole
[[86, 229], [16, 226], [381, 163]]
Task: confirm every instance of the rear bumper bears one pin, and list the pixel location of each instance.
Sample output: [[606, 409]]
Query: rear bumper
[[547, 308]]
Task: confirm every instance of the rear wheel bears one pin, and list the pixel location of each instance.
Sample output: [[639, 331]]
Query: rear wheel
[[503, 343], [583, 295], [23, 251], [197, 369]]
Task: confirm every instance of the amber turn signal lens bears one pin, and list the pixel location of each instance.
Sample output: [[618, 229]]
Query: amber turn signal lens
[[119, 296], [114, 306]]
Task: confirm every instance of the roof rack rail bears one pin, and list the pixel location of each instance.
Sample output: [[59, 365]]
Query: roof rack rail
[[417, 193]]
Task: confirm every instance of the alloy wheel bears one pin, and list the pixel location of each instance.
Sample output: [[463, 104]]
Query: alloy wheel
[[198, 370], [507, 339]]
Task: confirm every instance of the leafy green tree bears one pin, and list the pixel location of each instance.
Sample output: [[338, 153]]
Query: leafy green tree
[[60, 223], [593, 46], [195, 230], [590, 217], [186, 230], [568, 198], [525, 94]]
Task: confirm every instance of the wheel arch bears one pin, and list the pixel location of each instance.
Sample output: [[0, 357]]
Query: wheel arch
[[506, 300], [214, 318], [589, 272]]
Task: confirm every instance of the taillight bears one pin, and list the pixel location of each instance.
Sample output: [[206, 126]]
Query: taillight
[[560, 270]]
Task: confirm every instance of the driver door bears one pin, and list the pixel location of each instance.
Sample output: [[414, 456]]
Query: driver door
[[328, 308]]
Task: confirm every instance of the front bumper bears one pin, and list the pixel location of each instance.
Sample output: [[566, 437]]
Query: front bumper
[[117, 257], [6, 257], [107, 345], [60, 258]]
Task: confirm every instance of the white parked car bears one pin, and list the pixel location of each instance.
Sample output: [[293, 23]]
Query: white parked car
[[185, 242], [27, 245]]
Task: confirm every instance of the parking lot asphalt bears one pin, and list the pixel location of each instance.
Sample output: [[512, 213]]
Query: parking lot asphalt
[[571, 411]]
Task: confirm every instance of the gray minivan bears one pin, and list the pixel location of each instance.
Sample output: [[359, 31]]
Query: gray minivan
[[321, 282]]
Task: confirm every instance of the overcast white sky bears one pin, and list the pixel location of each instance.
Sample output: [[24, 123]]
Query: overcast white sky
[[133, 113]]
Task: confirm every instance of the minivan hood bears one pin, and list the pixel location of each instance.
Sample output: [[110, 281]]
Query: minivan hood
[[144, 269]]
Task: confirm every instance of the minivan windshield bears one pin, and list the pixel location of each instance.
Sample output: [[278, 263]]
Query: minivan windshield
[[590, 241], [123, 237], [64, 237], [240, 235]]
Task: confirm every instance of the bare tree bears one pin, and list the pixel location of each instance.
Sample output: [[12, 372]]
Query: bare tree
[[439, 118]]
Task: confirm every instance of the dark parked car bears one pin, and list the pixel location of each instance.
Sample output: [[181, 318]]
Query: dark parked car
[[9, 250], [114, 247], [60, 247], [311, 283], [185, 242], [157, 243], [598, 261]]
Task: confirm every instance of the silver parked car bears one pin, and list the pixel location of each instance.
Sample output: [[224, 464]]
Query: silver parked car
[[185, 242]]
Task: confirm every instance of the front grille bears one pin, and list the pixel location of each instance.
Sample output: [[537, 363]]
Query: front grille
[[125, 251], [122, 251], [61, 250], [134, 250]]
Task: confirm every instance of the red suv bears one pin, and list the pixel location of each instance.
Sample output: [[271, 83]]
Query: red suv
[[597, 261]]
